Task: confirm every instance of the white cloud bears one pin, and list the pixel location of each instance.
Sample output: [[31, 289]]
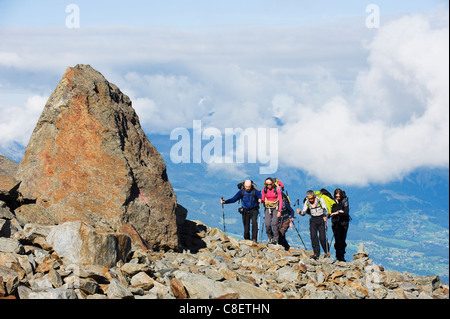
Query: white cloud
[[357, 105], [396, 121], [9, 59], [391, 195], [17, 124], [164, 102], [233, 171]]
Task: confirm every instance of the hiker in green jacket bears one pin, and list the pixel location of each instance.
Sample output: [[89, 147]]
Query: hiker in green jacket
[[317, 208]]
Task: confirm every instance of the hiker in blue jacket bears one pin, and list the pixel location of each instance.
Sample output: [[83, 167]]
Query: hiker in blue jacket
[[250, 208]]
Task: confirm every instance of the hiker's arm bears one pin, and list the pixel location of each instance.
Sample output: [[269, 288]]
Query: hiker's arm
[[305, 207], [263, 196], [324, 206], [280, 199], [291, 211], [234, 199], [346, 206], [258, 195]]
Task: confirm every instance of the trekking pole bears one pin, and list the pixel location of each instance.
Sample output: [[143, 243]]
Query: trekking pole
[[262, 228], [223, 217], [299, 236], [332, 238], [259, 224], [327, 248]]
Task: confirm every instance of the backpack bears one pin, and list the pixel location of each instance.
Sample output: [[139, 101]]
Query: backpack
[[254, 189], [327, 197], [286, 203], [284, 195], [278, 183]]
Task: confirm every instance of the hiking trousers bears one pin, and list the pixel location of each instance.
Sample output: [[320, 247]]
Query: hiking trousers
[[283, 226], [250, 217], [340, 228], [317, 226], [271, 221]]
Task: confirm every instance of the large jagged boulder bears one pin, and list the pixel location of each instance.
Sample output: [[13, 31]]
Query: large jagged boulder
[[89, 160]]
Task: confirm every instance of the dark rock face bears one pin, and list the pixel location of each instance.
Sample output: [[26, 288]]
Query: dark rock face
[[88, 159], [8, 183]]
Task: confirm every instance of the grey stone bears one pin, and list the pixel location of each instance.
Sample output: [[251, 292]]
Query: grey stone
[[117, 290], [9, 245]]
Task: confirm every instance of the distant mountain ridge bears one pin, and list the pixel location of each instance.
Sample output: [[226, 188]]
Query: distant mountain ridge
[[404, 224]]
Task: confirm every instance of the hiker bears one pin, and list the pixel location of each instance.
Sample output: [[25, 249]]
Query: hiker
[[250, 208], [287, 217], [317, 208], [273, 203], [340, 219]]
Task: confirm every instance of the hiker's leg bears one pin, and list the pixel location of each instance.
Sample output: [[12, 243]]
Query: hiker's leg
[[268, 222], [336, 234], [313, 234], [254, 218], [340, 240], [322, 235], [282, 235], [275, 226], [246, 221]]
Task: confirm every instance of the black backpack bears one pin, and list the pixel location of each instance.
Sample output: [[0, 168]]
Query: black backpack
[[241, 185], [253, 193]]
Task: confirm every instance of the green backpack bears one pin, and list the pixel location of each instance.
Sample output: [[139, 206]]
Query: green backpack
[[327, 197]]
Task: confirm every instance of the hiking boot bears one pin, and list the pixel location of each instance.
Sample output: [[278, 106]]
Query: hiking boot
[[315, 257]]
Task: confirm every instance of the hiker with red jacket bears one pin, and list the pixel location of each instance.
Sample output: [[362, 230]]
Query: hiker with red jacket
[[273, 203]]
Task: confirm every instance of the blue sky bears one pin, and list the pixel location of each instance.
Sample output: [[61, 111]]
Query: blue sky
[[199, 13], [308, 68]]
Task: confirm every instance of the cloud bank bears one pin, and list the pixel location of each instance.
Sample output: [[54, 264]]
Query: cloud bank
[[352, 106], [396, 119]]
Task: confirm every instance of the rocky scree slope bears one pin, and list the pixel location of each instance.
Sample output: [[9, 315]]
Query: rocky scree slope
[[34, 264]]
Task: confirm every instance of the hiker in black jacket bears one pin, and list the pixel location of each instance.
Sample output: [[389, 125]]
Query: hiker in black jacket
[[339, 222]]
